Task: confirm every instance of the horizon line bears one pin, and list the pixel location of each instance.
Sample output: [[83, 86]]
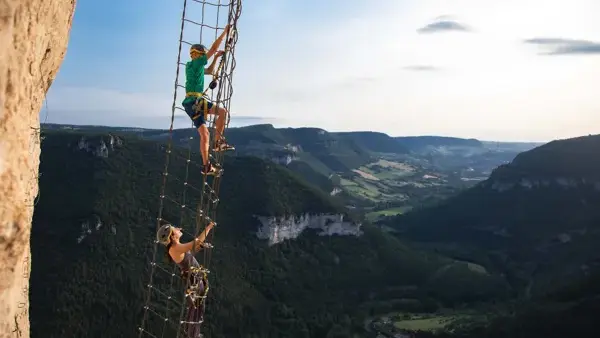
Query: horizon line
[[352, 131]]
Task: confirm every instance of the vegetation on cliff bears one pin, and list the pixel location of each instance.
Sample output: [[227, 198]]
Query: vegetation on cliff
[[93, 235]]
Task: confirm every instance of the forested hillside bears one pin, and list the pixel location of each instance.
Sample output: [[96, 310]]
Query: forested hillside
[[372, 172], [535, 220], [94, 227]]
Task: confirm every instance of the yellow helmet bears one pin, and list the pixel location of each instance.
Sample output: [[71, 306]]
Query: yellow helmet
[[199, 48], [163, 235]]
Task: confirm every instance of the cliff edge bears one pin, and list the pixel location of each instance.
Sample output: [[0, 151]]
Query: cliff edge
[[34, 36]]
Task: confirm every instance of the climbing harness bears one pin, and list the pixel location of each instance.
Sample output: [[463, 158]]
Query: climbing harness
[[168, 307], [200, 110], [193, 277]]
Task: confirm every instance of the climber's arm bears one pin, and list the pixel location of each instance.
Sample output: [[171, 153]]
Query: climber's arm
[[200, 239], [217, 42], [211, 69], [194, 245]]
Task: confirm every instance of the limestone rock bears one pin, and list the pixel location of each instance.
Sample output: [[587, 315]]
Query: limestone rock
[[34, 36], [278, 229]]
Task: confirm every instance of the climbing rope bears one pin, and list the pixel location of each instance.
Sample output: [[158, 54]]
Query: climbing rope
[[209, 200], [161, 297]]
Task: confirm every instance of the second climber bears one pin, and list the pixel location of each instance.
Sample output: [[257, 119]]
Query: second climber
[[193, 274], [197, 106]]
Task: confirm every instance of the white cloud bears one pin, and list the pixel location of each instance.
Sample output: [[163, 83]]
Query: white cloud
[[492, 83], [348, 70]]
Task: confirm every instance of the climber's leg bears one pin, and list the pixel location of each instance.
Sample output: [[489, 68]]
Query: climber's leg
[[192, 321], [195, 305], [221, 116], [195, 111]]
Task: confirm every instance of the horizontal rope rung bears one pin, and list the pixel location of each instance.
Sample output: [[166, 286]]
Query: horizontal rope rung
[[212, 3], [146, 332]]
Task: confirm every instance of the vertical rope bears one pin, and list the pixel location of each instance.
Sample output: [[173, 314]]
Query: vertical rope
[[164, 181], [207, 253], [206, 210]]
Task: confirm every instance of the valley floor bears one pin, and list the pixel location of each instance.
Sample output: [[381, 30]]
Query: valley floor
[[400, 325]]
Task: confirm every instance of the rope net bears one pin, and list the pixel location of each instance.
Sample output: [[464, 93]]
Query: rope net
[[190, 201]]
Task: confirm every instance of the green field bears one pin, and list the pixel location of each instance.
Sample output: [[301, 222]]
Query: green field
[[393, 323], [370, 190], [388, 181], [426, 322], [387, 170], [477, 268], [347, 183], [374, 185], [387, 212]]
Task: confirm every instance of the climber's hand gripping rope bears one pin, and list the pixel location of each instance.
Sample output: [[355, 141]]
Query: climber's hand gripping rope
[[229, 29], [199, 242]]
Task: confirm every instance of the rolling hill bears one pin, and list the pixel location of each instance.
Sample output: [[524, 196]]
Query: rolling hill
[[534, 221], [419, 142], [366, 170], [93, 231]]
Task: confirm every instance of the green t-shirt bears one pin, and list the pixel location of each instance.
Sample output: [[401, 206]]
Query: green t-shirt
[[194, 76]]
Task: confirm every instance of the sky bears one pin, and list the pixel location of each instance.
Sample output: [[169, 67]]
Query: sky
[[511, 70]]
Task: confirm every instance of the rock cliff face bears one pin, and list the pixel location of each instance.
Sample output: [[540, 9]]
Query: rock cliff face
[[278, 229], [34, 36]]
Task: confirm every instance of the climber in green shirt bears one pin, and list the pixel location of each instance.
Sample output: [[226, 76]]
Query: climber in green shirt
[[197, 106]]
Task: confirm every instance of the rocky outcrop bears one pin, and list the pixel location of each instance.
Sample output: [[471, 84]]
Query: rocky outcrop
[[335, 191], [98, 147], [34, 36], [278, 229], [284, 159]]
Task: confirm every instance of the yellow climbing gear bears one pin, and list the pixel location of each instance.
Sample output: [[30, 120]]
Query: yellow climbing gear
[[193, 277], [204, 102]]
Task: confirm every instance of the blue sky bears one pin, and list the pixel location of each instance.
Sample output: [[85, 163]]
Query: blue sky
[[501, 70]]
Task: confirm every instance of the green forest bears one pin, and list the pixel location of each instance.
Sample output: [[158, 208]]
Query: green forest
[[93, 242]]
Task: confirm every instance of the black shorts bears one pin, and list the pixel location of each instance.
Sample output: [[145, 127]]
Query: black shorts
[[197, 116]]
